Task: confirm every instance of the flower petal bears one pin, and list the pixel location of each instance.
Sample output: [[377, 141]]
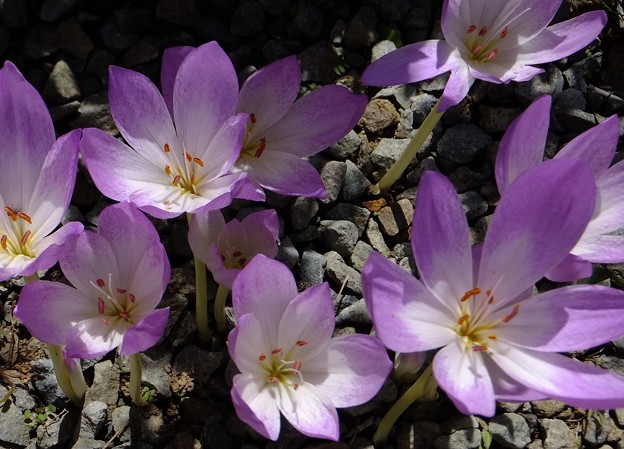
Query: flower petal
[[522, 146], [247, 342], [50, 309], [204, 96], [507, 389], [570, 269], [309, 411], [48, 249], [255, 406], [409, 64], [146, 333], [562, 39], [351, 371], [264, 226], [92, 338], [441, 241], [601, 248], [269, 93], [204, 229], [172, 58], [463, 376], [609, 212], [407, 317], [223, 151], [457, 86], [539, 219]]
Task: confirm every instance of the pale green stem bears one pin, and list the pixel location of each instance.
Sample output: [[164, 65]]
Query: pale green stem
[[408, 154], [219, 308], [70, 380], [201, 299], [421, 387], [136, 371]]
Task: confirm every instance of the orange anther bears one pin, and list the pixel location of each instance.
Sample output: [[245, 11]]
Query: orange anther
[[176, 180], [482, 31], [301, 343], [479, 348], [262, 357], [260, 148], [168, 170], [463, 319], [167, 148], [514, 312], [24, 216], [472, 28], [252, 117], [276, 351], [188, 156], [25, 237], [470, 293], [3, 242], [198, 161], [492, 337], [11, 213]]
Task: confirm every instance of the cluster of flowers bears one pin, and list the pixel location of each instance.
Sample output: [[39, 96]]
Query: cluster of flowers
[[202, 143]]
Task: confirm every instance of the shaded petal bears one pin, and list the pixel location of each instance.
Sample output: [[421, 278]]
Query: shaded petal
[[222, 275], [146, 333], [463, 376], [406, 316], [264, 288], [457, 86], [48, 249], [522, 146], [172, 58], [351, 371], [409, 64], [558, 377], [538, 221], [204, 96], [141, 115], [214, 194], [247, 342], [566, 319], [269, 92], [570, 269], [441, 241], [27, 136], [316, 121], [49, 310], [92, 338], [246, 189], [204, 229], [256, 406], [609, 212], [507, 389], [285, 173], [262, 229], [601, 248], [309, 411], [562, 39]]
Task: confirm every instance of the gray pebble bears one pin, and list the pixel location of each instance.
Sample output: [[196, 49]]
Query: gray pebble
[[121, 422], [55, 433], [570, 99], [382, 48], [154, 375], [146, 50], [179, 12], [312, 267], [577, 120], [355, 183], [435, 84], [346, 148], [14, 429], [548, 83], [360, 254], [391, 10], [15, 13], [494, 119], [339, 235], [62, 86], [88, 443], [462, 439], [419, 16], [318, 62], [597, 427], [459, 422], [347, 211], [53, 10], [510, 430], [375, 237], [301, 212], [420, 435], [287, 252], [388, 152], [421, 105], [105, 386], [405, 128], [61, 112], [114, 39], [379, 115], [464, 179], [462, 143], [355, 315], [95, 113], [308, 22], [45, 384], [338, 271], [71, 37], [427, 164], [333, 174], [197, 363], [557, 435], [473, 204], [361, 29], [547, 408], [92, 419], [402, 94]]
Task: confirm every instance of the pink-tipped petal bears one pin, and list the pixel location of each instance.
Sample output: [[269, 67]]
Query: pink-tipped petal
[[463, 376], [409, 64], [146, 333], [440, 240], [570, 269], [247, 189], [538, 221], [50, 309], [172, 58], [406, 316], [357, 365], [596, 146], [522, 146], [508, 389], [457, 86], [255, 406]]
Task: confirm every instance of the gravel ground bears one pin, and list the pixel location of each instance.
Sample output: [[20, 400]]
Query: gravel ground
[[64, 48]]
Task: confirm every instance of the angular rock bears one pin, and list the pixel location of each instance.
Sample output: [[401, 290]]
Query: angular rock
[[547, 408], [388, 152], [379, 115], [355, 315], [421, 105], [462, 143], [92, 419], [154, 362], [56, 433], [355, 183], [382, 48], [510, 430], [95, 113], [350, 212], [360, 254], [301, 211], [557, 435], [53, 10], [339, 235], [375, 237], [62, 86], [248, 18], [287, 252], [361, 30], [337, 272], [14, 428], [462, 439], [332, 174], [396, 218], [548, 83], [473, 204], [312, 267], [420, 435], [121, 422], [105, 386], [45, 383], [308, 21], [597, 427], [179, 12], [197, 362], [71, 37], [318, 61], [346, 148], [493, 119]]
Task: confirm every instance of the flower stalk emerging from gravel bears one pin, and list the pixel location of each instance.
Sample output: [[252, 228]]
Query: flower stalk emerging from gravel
[[496, 342], [522, 147], [226, 248], [495, 41], [288, 361], [119, 275]]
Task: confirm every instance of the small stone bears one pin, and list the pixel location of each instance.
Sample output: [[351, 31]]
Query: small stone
[[332, 174], [419, 16], [287, 252], [339, 235], [375, 237], [61, 112], [548, 83], [88, 443], [318, 62], [462, 143], [396, 218], [346, 148], [95, 113], [462, 439], [403, 94], [569, 99], [577, 120], [355, 183], [435, 84], [114, 39], [71, 37], [338, 271], [53, 10], [360, 254], [388, 152], [312, 267], [494, 119], [105, 386], [45, 383], [301, 211], [146, 50], [154, 375], [557, 435], [619, 416], [121, 422], [14, 13], [457, 423], [54, 433], [350, 212], [382, 48], [421, 105], [427, 164], [92, 419], [420, 435], [510, 430], [39, 42], [379, 115], [361, 29], [308, 21], [464, 179], [473, 204], [179, 12], [14, 428], [197, 362], [391, 10], [547, 408], [597, 428], [405, 128], [354, 315], [62, 86]]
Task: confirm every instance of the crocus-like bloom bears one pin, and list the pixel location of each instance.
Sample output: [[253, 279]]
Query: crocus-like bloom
[[496, 341], [282, 131], [37, 181], [288, 361], [522, 148], [492, 40], [170, 169], [226, 248], [119, 275]]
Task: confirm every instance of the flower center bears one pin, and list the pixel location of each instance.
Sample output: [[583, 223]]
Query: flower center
[[16, 240], [182, 171], [482, 43], [114, 304], [234, 259], [284, 369], [252, 147], [474, 325]]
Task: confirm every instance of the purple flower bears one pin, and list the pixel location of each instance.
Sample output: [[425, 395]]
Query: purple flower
[[522, 147], [226, 248], [496, 41], [119, 275], [282, 131], [497, 342], [37, 181], [288, 361], [171, 167]]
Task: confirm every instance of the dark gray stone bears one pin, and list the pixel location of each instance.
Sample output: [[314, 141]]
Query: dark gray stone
[[420, 435], [338, 271], [312, 267], [71, 37], [402, 94], [462, 143], [390, 10], [419, 16], [45, 384], [333, 174], [339, 235], [597, 427], [557, 435], [308, 21], [114, 39], [510, 430], [388, 152], [355, 183], [547, 408], [14, 428], [88, 443], [53, 10], [465, 179], [421, 105], [275, 7], [346, 148], [493, 119], [92, 419], [287, 253], [360, 254], [473, 204], [248, 18], [355, 214], [301, 211], [105, 386], [462, 439], [576, 120], [179, 12], [63, 111], [14, 13], [356, 315], [318, 62], [570, 99], [548, 83], [121, 422], [427, 164], [95, 113], [361, 29], [146, 50], [57, 432], [375, 237], [197, 362], [459, 422], [154, 362], [405, 128]]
